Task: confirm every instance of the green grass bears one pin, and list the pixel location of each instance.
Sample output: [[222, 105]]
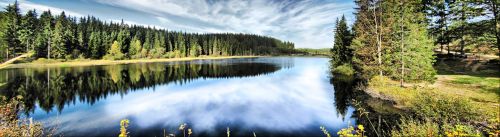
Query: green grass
[[485, 84], [453, 100], [323, 51], [42, 62]]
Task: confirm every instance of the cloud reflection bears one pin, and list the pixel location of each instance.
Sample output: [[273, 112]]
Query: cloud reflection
[[288, 100]]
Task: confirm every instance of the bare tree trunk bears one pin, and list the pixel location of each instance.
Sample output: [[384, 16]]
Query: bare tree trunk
[[379, 42], [402, 53], [48, 48], [462, 42]]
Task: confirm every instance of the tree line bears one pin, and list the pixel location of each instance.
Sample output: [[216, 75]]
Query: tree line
[[397, 38], [65, 37]]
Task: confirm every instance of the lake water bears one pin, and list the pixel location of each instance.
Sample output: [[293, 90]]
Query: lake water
[[271, 96]]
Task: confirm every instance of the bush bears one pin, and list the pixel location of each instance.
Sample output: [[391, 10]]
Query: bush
[[345, 69], [157, 52], [461, 131], [13, 126], [415, 128], [442, 108], [45, 61]]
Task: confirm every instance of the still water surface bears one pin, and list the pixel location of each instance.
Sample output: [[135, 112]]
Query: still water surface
[[275, 96]]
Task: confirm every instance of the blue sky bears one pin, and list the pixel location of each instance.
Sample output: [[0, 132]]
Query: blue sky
[[307, 23]]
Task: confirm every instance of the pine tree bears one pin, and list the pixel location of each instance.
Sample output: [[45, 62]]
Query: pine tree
[[29, 29], [411, 47], [181, 45], [13, 25], [341, 51], [94, 45], [439, 9], [43, 38], [58, 48], [461, 12], [195, 48], [365, 43]]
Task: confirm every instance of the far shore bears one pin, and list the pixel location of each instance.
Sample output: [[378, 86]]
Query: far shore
[[89, 62]]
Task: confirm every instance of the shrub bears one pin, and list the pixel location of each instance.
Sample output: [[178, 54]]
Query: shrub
[[44, 60], [437, 107], [415, 128], [114, 53], [11, 125], [345, 69], [461, 131]]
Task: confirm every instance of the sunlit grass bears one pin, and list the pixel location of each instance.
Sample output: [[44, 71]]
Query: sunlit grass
[[42, 62], [447, 86]]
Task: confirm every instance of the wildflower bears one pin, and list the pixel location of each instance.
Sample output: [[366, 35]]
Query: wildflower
[[360, 127]]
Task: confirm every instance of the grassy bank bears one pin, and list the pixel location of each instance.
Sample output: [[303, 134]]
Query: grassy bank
[[89, 62], [466, 92]]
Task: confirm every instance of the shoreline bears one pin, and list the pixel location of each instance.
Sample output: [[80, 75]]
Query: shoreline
[[89, 62]]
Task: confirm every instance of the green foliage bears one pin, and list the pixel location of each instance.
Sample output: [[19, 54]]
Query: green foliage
[[341, 51], [395, 44], [65, 37], [308, 51], [135, 48], [345, 69], [12, 125], [157, 52], [444, 109], [416, 128], [114, 53], [195, 49], [58, 45], [461, 131]]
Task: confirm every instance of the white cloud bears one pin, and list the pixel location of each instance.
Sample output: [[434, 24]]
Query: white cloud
[[307, 23]]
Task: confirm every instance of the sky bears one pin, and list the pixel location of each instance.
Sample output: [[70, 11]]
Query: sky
[[307, 23]]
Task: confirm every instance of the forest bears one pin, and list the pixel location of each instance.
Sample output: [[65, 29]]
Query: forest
[[437, 60], [58, 36], [391, 37]]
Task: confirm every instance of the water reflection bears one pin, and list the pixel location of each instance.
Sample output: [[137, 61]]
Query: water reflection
[[247, 95], [56, 87], [344, 90]]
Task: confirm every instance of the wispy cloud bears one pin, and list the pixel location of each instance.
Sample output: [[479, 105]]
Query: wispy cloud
[[307, 23]]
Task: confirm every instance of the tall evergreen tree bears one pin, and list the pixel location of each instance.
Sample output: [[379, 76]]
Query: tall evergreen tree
[[462, 11], [59, 40], [13, 25], [341, 51], [29, 30]]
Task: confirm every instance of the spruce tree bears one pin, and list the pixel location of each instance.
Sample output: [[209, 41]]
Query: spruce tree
[[58, 46], [13, 26], [29, 29], [341, 51]]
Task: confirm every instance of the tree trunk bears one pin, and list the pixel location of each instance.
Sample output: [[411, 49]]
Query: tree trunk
[[494, 9], [402, 54], [379, 42], [48, 48]]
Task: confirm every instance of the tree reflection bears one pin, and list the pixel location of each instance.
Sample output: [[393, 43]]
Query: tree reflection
[[56, 87]]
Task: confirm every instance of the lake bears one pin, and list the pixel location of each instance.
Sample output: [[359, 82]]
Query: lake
[[271, 96]]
